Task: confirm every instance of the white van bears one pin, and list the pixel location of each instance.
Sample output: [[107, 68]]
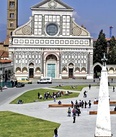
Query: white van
[[45, 80]]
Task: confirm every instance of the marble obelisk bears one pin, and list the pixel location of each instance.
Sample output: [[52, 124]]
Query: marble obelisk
[[103, 122]]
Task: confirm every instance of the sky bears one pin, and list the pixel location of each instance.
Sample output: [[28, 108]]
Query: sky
[[93, 14]]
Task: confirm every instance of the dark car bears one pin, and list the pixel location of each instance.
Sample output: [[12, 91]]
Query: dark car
[[20, 85]]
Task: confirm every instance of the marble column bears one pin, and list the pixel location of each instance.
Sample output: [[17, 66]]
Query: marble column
[[103, 122]]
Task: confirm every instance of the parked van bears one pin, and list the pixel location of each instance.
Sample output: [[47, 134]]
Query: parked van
[[24, 80], [45, 80]]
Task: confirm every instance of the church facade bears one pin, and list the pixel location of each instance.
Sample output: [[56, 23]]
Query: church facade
[[52, 44]]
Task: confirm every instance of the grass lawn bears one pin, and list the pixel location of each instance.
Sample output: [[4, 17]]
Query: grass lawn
[[17, 125], [73, 87], [32, 96]]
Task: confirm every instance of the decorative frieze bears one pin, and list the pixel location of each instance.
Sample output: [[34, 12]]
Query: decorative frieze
[[65, 42]]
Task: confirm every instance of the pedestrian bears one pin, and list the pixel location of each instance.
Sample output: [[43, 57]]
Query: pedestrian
[[15, 82], [12, 83], [85, 94], [54, 98], [113, 89], [72, 104], [76, 102], [95, 100], [89, 103], [82, 103], [1, 88], [115, 108], [38, 95], [85, 104], [69, 112], [112, 80], [55, 132], [78, 111], [74, 115], [89, 86], [59, 102]]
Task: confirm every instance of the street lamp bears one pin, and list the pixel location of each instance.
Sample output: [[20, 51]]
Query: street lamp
[[1, 76], [1, 69]]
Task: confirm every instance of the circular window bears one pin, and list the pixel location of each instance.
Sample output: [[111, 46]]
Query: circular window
[[52, 29]]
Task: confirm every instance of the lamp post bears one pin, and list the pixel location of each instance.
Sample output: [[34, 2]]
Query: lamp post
[[1, 69], [1, 76]]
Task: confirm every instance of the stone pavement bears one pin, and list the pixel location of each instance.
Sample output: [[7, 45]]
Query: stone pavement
[[85, 123]]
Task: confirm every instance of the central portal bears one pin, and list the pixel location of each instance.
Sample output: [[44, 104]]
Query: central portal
[[51, 70], [51, 66], [70, 72]]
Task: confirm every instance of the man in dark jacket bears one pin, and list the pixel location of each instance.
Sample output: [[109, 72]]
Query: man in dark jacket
[[55, 132]]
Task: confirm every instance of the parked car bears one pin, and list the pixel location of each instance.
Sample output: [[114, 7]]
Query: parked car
[[45, 80], [24, 80], [19, 85]]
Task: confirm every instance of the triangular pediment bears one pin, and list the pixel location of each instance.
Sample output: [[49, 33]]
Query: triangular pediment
[[51, 4]]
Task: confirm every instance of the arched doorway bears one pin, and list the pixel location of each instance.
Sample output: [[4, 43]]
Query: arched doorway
[[97, 71], [71, 70], [31, 70], [51, 66]]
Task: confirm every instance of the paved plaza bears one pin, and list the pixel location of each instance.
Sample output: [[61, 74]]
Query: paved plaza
[[85, 123]]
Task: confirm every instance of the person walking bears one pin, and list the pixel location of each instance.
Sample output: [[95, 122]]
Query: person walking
[[85, 104], [89, 86], [89, 103], [78, 111], [72, 104], [82, 103], [113, 89], [69, 112], [74, 117], [74, 114], [85, 94], [55, 132]]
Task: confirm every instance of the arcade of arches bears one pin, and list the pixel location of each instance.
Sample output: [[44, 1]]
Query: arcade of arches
[[51, 68], [111, 69]]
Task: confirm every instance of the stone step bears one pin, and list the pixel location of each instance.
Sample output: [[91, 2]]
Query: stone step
[[61, 105], [95, 112]]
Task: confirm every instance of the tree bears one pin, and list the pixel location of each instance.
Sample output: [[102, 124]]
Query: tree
[[112, 43], [112, 51], [112, 56], [100, 47]]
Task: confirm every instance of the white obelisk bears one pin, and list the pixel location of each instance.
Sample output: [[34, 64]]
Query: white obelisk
[[103, 122]]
